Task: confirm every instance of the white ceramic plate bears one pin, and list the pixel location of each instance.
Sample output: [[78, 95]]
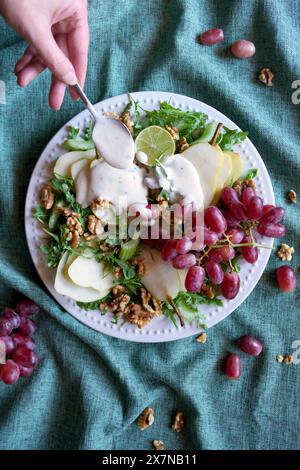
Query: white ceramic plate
[[160, 329]]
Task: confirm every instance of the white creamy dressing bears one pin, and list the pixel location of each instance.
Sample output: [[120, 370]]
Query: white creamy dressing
[[179, 176], [121, 187], [114, 142]]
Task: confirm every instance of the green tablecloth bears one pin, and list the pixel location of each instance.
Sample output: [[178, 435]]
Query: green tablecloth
[[90, 388]]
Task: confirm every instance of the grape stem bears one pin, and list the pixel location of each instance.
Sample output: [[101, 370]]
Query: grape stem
[[216, 134], [176, 310]]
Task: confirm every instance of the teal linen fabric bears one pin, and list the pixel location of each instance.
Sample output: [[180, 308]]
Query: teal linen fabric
[[89, 388]]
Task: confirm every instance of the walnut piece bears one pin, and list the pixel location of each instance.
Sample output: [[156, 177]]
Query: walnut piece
[[179, 422], [117, 290], [266, 77], [292, 196], [288, 359], [139, 316], [158, 445], [118, 272], [146, 419], [112, 115], [118, 305], [139, 264], [69, 213], [74, 239], [128, 121], [151, 304], [100, 204], [74, 224], [47, 197], [202, 338], [182, 145], [173, 131], [94, 225], [208, 290], [285, 252], [250, 184], [279, 358]]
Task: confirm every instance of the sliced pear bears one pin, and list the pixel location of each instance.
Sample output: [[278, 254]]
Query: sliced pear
[[208, 160], [78, 166], [160, 278], [65, 286], [224, 177], [88, 272], [64, 162], [237, 166]]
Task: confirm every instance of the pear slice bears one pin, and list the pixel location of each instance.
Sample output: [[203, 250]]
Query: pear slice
[[78, 166], [64, 162], [65, 286], [224, 177], [208, 161], [88, 272], [160, 278], [237, 166]]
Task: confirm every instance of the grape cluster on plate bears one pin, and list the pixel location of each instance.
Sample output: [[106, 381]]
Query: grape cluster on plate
[[16, 331], [229, 233]]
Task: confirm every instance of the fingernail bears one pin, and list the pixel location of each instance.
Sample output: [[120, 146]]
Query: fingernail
[[70, 78]]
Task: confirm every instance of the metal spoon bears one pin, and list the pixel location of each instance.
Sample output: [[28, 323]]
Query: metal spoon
[[112, 139]]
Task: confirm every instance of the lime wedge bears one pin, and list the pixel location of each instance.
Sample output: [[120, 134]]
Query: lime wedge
[[155, 142]]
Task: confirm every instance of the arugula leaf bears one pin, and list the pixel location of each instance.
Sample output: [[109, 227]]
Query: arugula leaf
[[251, 174], [53, 251], [87, 133], [231, 137], [235, 263], [163, 194], [41, 214], [93, 305], [128, 270], [75, 142], [73, 132], [132, 284]]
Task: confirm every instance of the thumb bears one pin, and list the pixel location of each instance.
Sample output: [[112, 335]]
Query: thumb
[[53, 56]]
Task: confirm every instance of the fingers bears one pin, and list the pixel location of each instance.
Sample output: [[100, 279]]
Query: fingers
[[27, 56], [30, 71], [52, 55], [58, 88], [78, 45]]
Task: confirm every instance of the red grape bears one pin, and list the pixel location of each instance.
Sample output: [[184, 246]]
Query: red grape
[[27, 326], [232, 222], [184, 245], [25, 357], [25, 371], [9, 344], [224, 253], [228, 197], [6, 326], [214, 272], [211, 37], [27, 308], [242, 49], [272, 230], [215, 220], [194, 279], [9, 372], [250, 345], [286, 278], [230, 285], [23, 340], [247, 194], [12, 316], [254, 208], [267, 207], [184, 261], [169, 251], [233, 366], [273, 216], [250, 253], [235, 235], [210, 237], [238, 211]]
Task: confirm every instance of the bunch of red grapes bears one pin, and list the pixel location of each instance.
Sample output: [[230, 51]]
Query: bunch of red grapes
[[229, 230], [16, 331]]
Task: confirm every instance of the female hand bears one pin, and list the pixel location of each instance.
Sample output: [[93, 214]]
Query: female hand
[[58, 36]]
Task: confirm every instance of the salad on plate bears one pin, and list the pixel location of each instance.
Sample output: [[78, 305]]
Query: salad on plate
[[166, 234]]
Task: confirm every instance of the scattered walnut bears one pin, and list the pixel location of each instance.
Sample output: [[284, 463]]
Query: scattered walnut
[[118, 272], [137, 315], [208, 291], [202, 338], [94, 225], [74, 224], [173, 131], [100, 204], [117, 290], [150, 303], [238, 187], [112, 115], [104, 246], [182, 145], [179, 422], [266, 77], [47, 197], [75, 239], [288, 359], [292, 196], [285, 252], [146, 419], [250, 184], [88, 236], [140, 264], [69, 213], [128, 121], [279, 358], [158, 445]]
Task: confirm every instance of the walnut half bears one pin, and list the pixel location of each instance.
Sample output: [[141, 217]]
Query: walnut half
[[146, 419]]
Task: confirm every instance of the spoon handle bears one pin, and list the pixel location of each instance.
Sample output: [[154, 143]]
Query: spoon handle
[[86, 101]]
